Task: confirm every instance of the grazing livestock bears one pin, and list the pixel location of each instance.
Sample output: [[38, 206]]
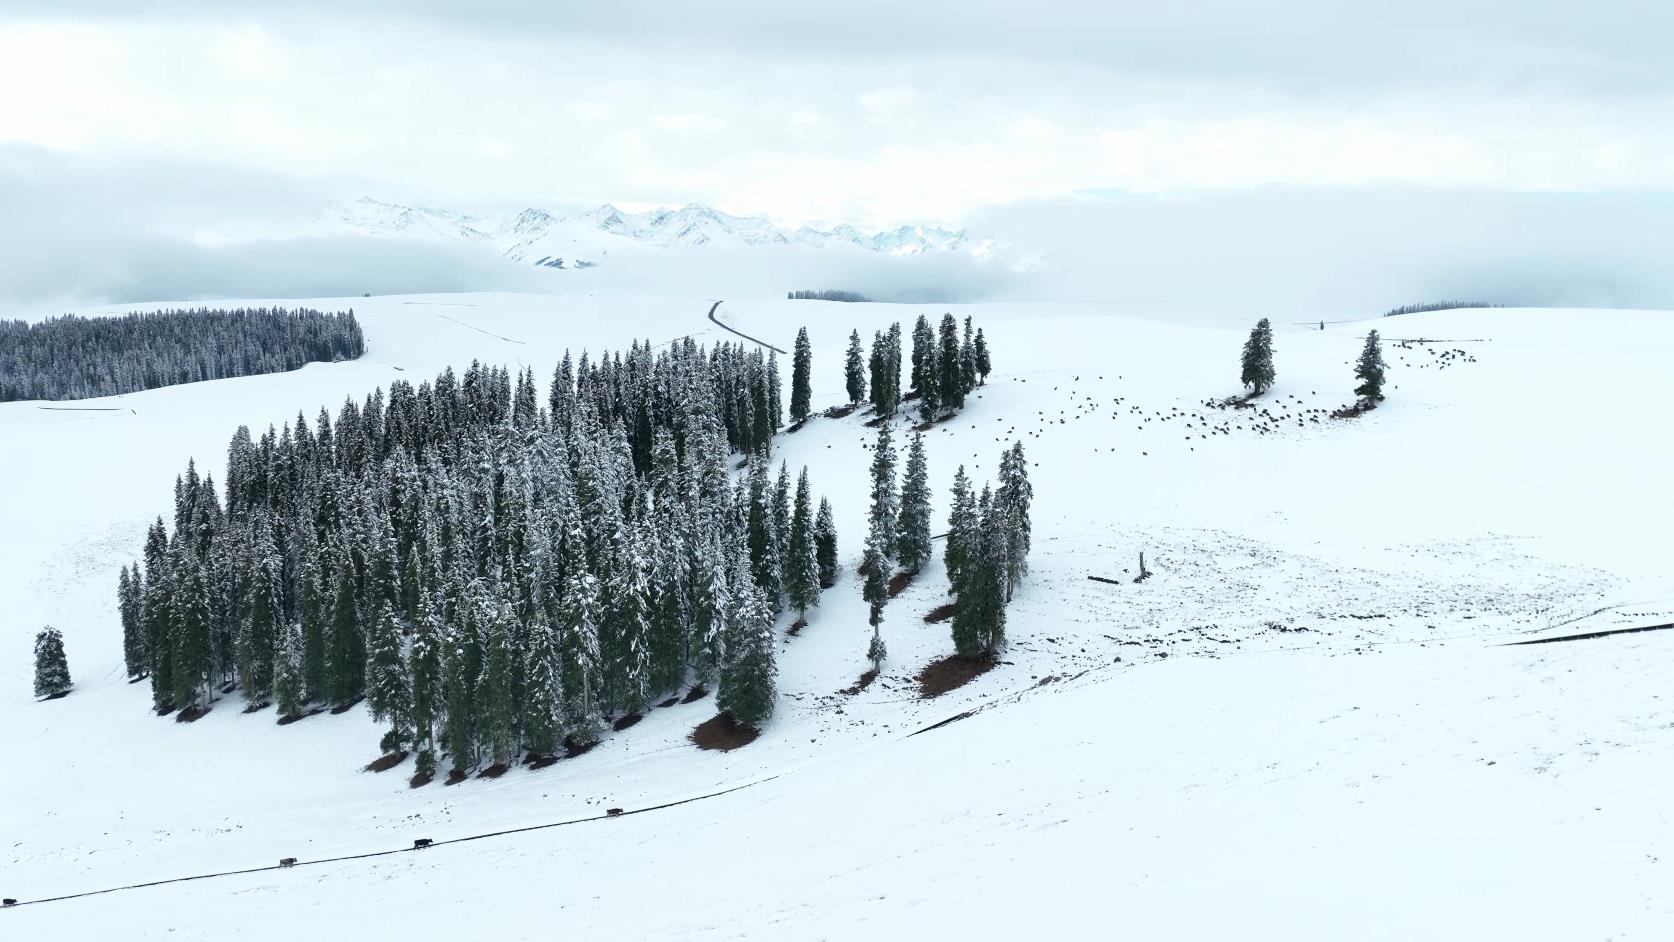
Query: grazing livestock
[[421, 843]]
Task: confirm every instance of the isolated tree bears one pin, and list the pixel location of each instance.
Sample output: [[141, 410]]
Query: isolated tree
[[874, 571], [802, 367], [1257, 371], [52, 670], [1370, 370], [825, 543], [912, 541], [854, 369]]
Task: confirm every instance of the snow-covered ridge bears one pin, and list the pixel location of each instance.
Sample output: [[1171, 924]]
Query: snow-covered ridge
[[582, 239]]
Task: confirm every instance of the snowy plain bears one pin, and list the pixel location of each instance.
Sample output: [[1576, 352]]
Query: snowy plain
[[1304, 725]]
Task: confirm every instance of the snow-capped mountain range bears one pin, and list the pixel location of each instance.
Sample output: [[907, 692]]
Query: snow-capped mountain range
[[584, 239]]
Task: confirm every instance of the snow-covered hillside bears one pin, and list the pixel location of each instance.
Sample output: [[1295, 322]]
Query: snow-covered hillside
[[1304, 724], [559, 240]]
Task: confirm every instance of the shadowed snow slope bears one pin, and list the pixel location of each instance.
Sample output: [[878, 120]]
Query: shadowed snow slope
[[1303, 725]]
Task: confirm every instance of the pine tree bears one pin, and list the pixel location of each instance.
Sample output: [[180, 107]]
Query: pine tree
[[346, 651], [288, 692], [874, 570], [424, 673], [1370, 370], [961, 526], [854, 369], [885, 501], [191, 635], [825, 544], [929, 385], [802, 568], [912, 542], [131, 607], [497, 708], [979, 615], [311, 610], [947, 360], [630, 624], [543, 694], [924, 345], [388, 688], [747, 669], [1258, 371], [983, 364], [1011, 512], [802, 365], [579, 646], [52, 670]]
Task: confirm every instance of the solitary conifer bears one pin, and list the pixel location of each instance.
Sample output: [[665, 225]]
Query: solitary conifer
[[802, 366], [1258, 371], [1370, 370], [52, 670]]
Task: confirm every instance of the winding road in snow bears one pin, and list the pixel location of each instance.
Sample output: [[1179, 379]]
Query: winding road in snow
[[717, 321]]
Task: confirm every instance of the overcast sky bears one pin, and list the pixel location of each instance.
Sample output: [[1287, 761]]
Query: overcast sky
[[869, 111]]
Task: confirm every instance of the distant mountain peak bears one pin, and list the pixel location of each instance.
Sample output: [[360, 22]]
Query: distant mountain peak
[[580, 239]]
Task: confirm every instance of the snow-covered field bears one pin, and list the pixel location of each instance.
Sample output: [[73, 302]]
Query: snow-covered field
[[1173, 759]]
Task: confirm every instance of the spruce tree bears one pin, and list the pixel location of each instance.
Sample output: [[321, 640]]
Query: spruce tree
[[131, 607], [885, 502], [424, 673], [961, 526], [983, 364], [288, 692], [979, 615], [802, 568], [579, 647], [802, 366], [52, 670], [543, 696], [924, 339], [497, 708], [1370, 370], [825, 544], [947, 360], [874, 571], [312, 612], [191, 635], [854, 369], [747, 668], [930, 388], [912, 542], [388, 688], [346, 651], [1011, 515], [1258, 371]]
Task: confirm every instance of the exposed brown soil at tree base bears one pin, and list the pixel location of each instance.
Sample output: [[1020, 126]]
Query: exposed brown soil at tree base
[[573, 748], [898, 583], [54, 696], [420, 779], [877, 422], [841, 412], [796, 627], [455, 777], [191, 714], [951, 673], [1355, 411], [387, 761], [626, 722], [540, 762], [494, 771], [828, 583], [135, 680], [671, 701], [695, 694], [342, 708], [288, 720], [257, 707], [939, 613], [229, 686], [165, 709], [861, 684], [720, 732]]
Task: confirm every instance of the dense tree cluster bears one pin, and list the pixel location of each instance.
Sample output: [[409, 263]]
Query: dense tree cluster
[[74, 357], [1436, 306], [987, 553], [1257, 372], [946, 365], [830, 294], [493, 573], [52, 669]]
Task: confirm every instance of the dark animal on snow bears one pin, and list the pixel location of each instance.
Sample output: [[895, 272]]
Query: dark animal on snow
[[421, 843], [287, 861]]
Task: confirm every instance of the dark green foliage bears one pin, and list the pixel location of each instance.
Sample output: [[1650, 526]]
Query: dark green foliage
[[1011, 515], [885, 501], [802, 371], [979, 617], [1370, 369], [825, 544], [1257, 373], [346, 674], [130, 594], [190, 630], [389, 690], [52, 670], [802, 567], [912, 540], [854, 369], [748, 669], [961, 525], [983, 364], [289, 695]]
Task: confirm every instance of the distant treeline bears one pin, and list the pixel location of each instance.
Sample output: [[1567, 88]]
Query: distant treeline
[[1436, 306], [827, 295], [73, 357]]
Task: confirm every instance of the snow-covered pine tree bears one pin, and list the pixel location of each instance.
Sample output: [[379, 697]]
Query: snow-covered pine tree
[[885, 501], [288, 692], [961, 525], [1257, 372], [1011, 512], [580, 611], [854, 369], [316, 628], [424, 673], [346, 648], [52, 670], [388, 689], [947, 362], [876, 363], [802, 367], [967, 362], [747, 669], [979, 615], [497, 710], [1369, 370], [131, 606], [892, 366], [930, 387], [924, 342], [874, 588], [629, 617], [543, 694], [912, 541], [190, 633], [802, 567], [983, 364], [825, 544]]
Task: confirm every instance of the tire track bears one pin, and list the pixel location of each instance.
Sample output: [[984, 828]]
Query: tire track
[[717, 322]]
